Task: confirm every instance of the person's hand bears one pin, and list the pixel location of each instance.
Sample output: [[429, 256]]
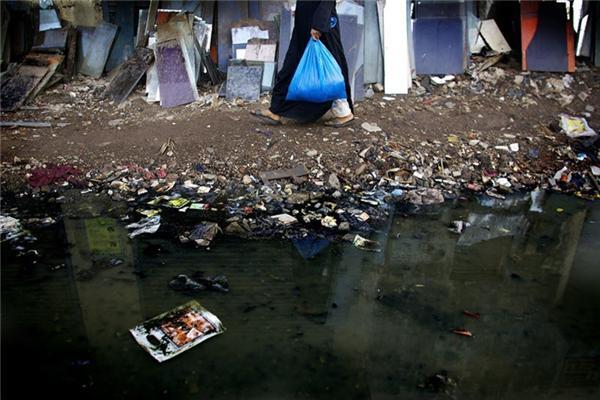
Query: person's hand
[[316, 35]]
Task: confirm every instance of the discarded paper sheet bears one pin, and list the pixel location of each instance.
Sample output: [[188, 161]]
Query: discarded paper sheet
[[177, 330]]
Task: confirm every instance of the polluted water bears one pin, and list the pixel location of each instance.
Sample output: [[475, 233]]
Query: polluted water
[[503, 305]]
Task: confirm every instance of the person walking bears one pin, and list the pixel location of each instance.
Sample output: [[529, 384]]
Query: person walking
[[316, 20]]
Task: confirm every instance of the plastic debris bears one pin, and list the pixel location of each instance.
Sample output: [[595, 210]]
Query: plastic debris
[[145, 225], [329, 222], [366, 244], [177, 203], [53, 174], [575, 127], [471, 314], [458, 226], [285, 219], [10, 228], [204, 233], [198, 283], [537, 197], [148, 213], [441, 81], [462, 332]]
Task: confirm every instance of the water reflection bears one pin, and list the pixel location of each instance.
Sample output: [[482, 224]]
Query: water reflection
[[346, 324]]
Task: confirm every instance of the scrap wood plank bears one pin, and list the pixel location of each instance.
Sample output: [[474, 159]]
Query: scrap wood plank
[[211, 68], [142, 36], [71, 60], [129, 74], [25, 124], [52, 61], [295, 172], [529, 21], [151, 21], [16, 90]]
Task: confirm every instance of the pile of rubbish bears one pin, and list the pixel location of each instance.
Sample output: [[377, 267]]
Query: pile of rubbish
[[343, 205], [279, 203], [495, 164]]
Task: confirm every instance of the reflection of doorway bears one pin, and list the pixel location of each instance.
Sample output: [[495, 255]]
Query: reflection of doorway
[[106, 287]]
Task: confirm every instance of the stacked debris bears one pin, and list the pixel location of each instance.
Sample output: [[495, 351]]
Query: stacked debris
[[51, 59], [180, 48], [175, 59], [252, 70]]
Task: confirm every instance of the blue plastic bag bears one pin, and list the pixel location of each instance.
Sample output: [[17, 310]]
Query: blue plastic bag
[[318, 77]]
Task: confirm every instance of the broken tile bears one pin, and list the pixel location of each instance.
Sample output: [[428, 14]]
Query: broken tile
[[244, 82]]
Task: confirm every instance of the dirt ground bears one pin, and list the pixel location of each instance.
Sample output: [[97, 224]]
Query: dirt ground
[[438, 123]]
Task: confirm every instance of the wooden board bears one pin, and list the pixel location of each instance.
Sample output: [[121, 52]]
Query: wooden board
[[71, 53], [16, 90], [129, 74], [53, 61], [295, 172]]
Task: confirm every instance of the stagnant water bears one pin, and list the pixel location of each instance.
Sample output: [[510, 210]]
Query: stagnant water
[[347, 324]]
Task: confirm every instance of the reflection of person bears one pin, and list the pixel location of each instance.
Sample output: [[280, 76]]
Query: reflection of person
[[317, 20]]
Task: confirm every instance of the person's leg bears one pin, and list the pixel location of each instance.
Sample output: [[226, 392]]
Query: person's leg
[[267, 113], [342, 113], [341, 109]]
